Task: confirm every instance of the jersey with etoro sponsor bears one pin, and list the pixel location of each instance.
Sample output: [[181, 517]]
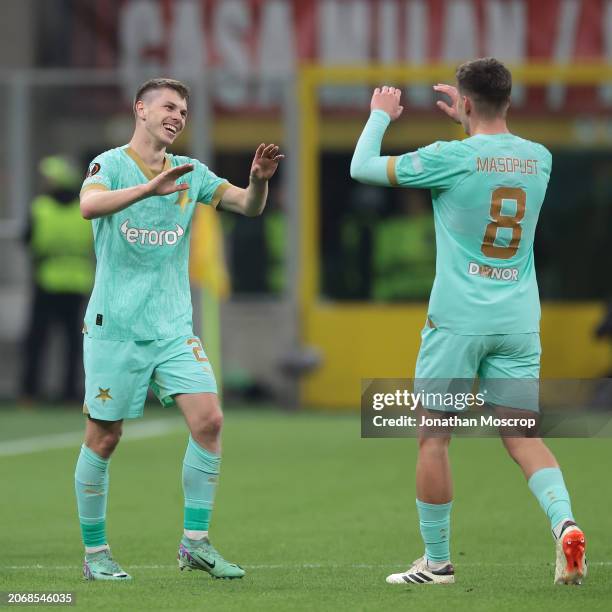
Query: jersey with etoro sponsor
[[487, 192], [141, 290]]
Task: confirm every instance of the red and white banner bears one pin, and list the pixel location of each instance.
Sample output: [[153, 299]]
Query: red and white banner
[[268, 39]]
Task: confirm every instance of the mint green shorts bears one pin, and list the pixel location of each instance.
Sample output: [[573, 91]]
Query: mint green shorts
[[118, 374], [508, 366]]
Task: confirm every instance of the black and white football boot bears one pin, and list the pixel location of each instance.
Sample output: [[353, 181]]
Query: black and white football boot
[[421, 573]]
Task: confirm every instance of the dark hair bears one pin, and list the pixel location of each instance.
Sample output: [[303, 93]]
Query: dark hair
[[153, 84], [488, 82]]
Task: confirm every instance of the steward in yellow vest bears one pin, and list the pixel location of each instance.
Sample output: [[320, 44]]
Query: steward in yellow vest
[[60, 243]]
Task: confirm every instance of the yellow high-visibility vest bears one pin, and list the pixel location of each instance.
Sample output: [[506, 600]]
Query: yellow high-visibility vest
[[62, 245]]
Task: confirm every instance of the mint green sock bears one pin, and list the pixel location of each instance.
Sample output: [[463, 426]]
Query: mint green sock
[[434, 521], [549, 488], [91, 486], [200, 476]]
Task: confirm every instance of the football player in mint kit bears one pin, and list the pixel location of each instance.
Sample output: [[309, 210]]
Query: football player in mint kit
[[484, 310], [138, 325]]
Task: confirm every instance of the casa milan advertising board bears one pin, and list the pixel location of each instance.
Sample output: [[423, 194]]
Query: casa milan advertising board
[[271, 38]]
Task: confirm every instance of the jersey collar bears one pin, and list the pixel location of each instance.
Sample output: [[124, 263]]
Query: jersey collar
[[146, 170]]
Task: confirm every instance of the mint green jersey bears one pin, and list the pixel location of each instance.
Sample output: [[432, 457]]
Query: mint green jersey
[[487, 192], [141, 291]]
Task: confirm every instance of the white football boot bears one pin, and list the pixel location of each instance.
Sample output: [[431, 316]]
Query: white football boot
[[421, 573], [571, 565]]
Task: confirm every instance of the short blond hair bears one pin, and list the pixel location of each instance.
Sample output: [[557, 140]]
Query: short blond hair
[[154, 84]]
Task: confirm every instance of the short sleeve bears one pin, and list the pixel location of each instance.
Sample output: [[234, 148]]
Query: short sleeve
[[212, 187], [437, 166], [102, 173], [545, 159]]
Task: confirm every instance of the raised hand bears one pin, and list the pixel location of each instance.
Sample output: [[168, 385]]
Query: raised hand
[[165, 182], [387, 99], [265, 162], [453, 94]]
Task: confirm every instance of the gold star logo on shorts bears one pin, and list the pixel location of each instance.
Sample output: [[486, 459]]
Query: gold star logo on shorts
[[104, 394]]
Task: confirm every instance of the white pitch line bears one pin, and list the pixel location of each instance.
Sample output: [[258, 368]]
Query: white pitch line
[[300, 566], [135, 431]]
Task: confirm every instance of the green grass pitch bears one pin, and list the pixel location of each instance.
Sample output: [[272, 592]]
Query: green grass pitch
[[316, 515]]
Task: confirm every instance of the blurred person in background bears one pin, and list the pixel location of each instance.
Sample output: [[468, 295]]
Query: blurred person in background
[[60, 242]]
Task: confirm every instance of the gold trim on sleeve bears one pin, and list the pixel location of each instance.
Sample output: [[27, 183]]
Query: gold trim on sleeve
[[94, 187], [219, 191], [391, 176]]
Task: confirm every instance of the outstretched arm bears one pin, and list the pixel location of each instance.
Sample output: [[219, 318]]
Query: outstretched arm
[[367, 166], [97, 201], [252, 200]]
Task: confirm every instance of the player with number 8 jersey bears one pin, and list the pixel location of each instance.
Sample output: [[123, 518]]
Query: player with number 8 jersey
[[487, 191], [484, 310], [138, 329]]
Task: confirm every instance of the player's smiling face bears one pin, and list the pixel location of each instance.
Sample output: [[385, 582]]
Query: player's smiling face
[[165, 115]]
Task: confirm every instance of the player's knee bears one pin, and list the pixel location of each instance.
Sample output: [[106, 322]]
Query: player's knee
[[108, 442], [210, 424], [216, 422], [517, 447], [512, 443], [105, 443], [434, 444], [102, 438]]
